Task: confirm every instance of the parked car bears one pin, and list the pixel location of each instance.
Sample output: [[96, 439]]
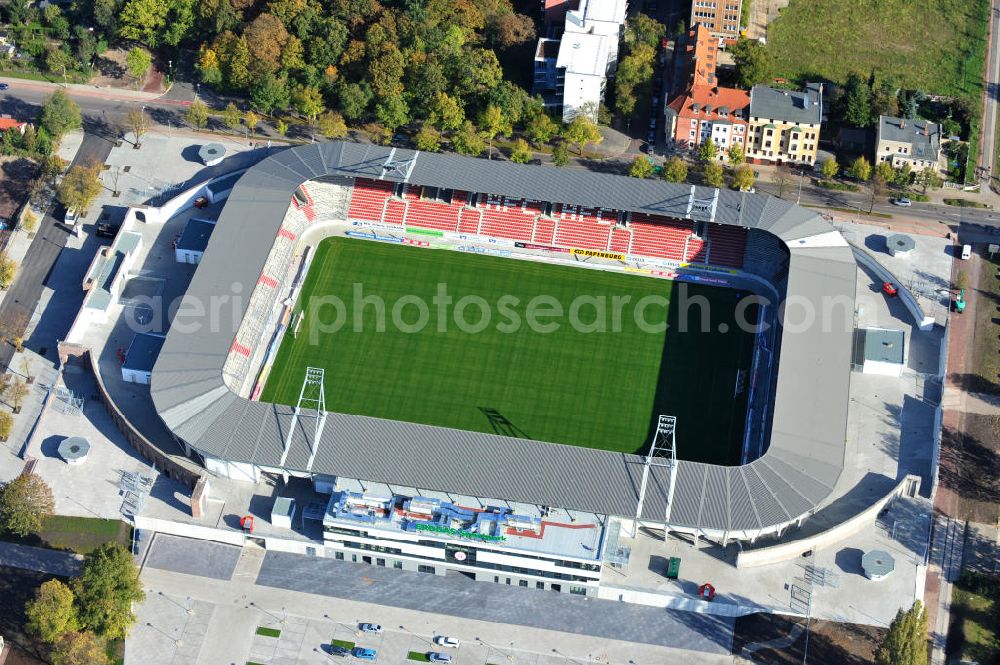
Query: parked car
[[341, 652], [436, 657], [201, 202], [651, 137], [966, 252], [363, 654], [71, 217], [905, 202], [3, 86], [370, 628], [445, 641]]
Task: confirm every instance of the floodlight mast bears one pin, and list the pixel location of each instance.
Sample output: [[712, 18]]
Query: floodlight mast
[[313, 396], [662, 453]]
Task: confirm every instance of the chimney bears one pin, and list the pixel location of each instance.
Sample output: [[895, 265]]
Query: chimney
[[926, 131]]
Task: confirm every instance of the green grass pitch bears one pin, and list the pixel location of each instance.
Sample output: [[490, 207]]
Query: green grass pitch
[[594, 389]]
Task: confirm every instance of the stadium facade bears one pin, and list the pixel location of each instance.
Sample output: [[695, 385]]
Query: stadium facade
[[386, 475]]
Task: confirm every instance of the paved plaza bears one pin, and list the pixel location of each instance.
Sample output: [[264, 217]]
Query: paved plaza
[[193, 557]]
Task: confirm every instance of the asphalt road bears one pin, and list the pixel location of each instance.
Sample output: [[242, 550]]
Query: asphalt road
[[20, 302]]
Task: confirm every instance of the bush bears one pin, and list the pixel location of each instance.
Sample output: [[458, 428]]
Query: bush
[[837, 186], [6, 424]]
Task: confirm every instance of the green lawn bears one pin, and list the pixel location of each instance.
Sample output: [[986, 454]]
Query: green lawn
[[77, 534], [937, 46], [342, 643], [418, 656], [986, 352], [974, 621], [593, 389], [268, 632]]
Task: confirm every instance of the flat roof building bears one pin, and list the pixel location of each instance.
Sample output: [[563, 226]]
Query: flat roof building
[[141, 357], [191, 245]]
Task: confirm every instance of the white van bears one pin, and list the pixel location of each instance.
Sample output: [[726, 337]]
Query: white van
[[966, 252]]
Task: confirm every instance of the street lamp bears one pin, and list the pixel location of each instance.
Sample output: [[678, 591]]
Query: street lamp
[[64, 76]]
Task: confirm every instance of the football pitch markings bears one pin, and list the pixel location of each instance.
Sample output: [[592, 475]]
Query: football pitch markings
[[546, 352]]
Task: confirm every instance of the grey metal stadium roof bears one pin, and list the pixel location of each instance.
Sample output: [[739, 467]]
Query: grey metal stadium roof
[[798, 471]]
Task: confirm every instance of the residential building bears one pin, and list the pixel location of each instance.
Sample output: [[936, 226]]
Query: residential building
[[721, 17], [6, 123], [576, 57], [914, 142], [703, 109], [784, 124]]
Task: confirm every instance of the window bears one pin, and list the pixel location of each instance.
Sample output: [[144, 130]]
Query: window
[[425, 569], [508, 581], [539, 585], [578, 590], [398, 565], [354, 558], [496, 579], [339, 556], [523, 583], [380, 562]]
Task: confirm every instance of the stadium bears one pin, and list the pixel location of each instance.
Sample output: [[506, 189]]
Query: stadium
[[731, 433]]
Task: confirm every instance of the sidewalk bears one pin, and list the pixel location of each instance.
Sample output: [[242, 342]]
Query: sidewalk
[[53, 562], [85, 89]]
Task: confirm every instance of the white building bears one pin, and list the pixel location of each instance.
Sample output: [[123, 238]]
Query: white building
[[572, 67], [488, 540]]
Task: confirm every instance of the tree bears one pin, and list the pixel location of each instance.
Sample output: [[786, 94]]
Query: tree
[[77, 648], [541, 128], [781, 180], [270, 93], [25, 502], [138, 61], [60, 114], [560, 154], [281, 127], [581, 131], [208, 65], [492, 122], [707, 151], [857, 102], [354, 99], [753, 62], [446, 112], [393, 111], [29, 222], [642, 29], [8, 270], [641, 167], [331, 125], [138, 122], [428, 139], [929, 177], [143, 21], [6, 424], [308, 101], [885, 171], [743, 177], [265, 37], [902, 175], [830, 168], [52, 166], [231, 116], [961, 281], [80, 186], [250, 121], [713, 174], [878, 189], [521, 152], [860, 169], [105, 590], [197, 114], [467, 141], [736, 155], [51, 614], [238, 66], [17, 389], [57, 60], [675, 170], [905, 643], [509, 29]]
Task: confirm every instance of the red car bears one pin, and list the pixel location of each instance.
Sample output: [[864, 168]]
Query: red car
[[201, 202], [889, 289]]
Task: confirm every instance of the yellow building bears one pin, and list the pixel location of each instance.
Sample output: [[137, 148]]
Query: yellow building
[[784, 124]]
